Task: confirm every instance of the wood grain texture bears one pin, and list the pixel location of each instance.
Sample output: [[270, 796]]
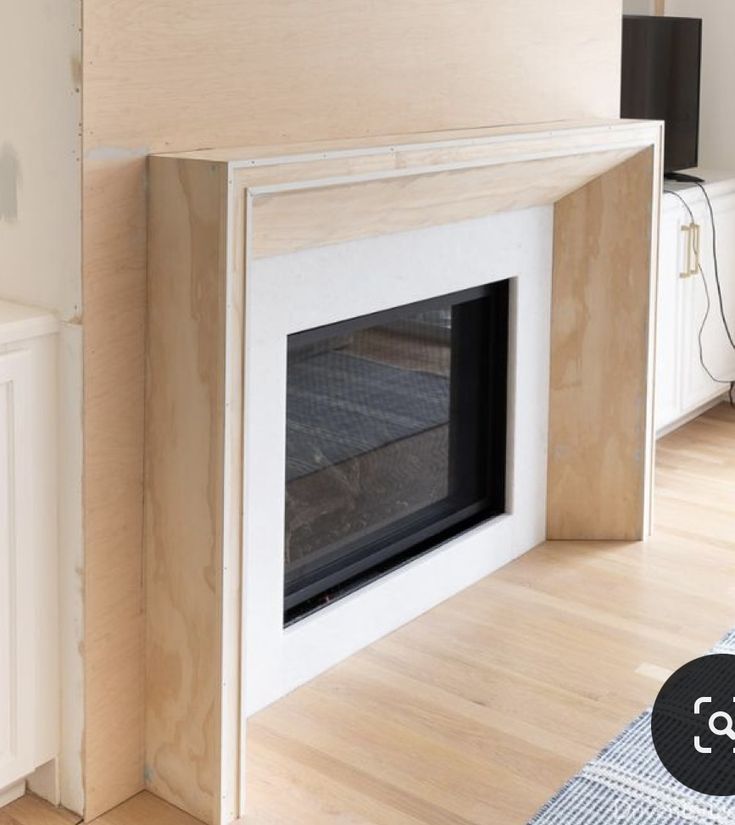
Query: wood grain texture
[[431, 147], [202, 234], [292, 220], [184, 501], [30, 810], [592, 619], [113, 491], [599, 419], [339, 70], [481, 709], [166, 75], [145, 809]]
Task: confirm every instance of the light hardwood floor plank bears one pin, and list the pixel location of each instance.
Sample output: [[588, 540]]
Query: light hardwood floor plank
[[481, 709], [146, 809], [30, 810]]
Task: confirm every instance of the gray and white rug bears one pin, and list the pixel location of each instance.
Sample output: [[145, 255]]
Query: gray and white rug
[[627, 785]]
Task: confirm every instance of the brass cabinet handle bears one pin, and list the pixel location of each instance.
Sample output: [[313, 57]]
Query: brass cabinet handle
[[693, 235]]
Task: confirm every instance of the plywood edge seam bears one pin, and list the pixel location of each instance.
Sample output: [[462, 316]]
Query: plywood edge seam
[[275, 154]]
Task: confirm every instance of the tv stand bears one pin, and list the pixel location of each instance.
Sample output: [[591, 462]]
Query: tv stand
[[682, 177]]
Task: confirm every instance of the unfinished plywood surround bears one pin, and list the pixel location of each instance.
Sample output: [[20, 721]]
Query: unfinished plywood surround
[[170, 75], [599, 472], [212, 214], [185, 472]]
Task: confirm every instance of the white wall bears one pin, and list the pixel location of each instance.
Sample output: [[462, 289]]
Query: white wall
[[39, 154], [637, 6], [40, 265], [717, 117]]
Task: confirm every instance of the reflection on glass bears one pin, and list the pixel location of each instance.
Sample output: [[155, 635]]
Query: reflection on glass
[[387, 436]]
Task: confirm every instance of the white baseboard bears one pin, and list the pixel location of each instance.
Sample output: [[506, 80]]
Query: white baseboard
[[12, 792], [691, 415]]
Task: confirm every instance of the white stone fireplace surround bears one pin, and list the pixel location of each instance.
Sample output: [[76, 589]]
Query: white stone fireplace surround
[[315, 287], [247, 246]]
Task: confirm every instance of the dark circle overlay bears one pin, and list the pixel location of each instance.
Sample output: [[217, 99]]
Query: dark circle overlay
[[706, 685]]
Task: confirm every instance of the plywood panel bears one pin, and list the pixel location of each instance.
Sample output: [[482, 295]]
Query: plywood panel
[[600, 427], [230, 73], [366, 154], [162, 75], [292, 220], [185, 457], [113, 489]]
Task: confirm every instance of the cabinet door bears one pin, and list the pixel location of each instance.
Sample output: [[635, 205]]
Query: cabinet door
[[672, 259], [17, 614], [719, 357]]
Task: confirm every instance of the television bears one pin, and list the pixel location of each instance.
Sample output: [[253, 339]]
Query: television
[[660, 81]]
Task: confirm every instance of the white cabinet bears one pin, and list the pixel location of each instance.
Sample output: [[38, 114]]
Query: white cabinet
[[683, 387], [29, 728]]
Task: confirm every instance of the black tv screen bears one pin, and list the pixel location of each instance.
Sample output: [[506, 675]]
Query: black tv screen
[[660, 81]]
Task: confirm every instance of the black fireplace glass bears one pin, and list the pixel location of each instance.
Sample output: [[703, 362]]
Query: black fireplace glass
[[395, 439]]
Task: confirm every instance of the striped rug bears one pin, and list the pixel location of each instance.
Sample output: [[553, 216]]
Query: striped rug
[[626, 784]]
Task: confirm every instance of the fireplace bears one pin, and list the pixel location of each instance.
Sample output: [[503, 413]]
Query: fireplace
[[259, 263], [395, 439], [395, 428]]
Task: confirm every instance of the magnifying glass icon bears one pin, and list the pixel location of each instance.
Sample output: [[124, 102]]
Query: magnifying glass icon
[[720, 730]]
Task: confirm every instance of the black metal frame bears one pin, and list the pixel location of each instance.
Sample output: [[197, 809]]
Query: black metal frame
[[480, 348]]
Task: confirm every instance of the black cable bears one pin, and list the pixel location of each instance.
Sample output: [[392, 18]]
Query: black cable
[[729, 383], [686, 205], [699, 339], [717, 266]]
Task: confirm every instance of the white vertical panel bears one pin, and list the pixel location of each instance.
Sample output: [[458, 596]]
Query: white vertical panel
[[17, 615]]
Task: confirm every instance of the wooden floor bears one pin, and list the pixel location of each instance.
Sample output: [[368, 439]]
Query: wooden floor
[[478, 711]]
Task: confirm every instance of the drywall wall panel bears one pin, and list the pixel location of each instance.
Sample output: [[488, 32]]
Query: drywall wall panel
[[186, 74], [639, 6], [40, 148]]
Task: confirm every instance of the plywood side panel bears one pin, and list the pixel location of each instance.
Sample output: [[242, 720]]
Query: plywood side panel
[[185, 457], [113, 490], [287, 221], [599, 429]]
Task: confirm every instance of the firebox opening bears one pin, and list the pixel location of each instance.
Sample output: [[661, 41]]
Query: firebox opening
[[395, 439]]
